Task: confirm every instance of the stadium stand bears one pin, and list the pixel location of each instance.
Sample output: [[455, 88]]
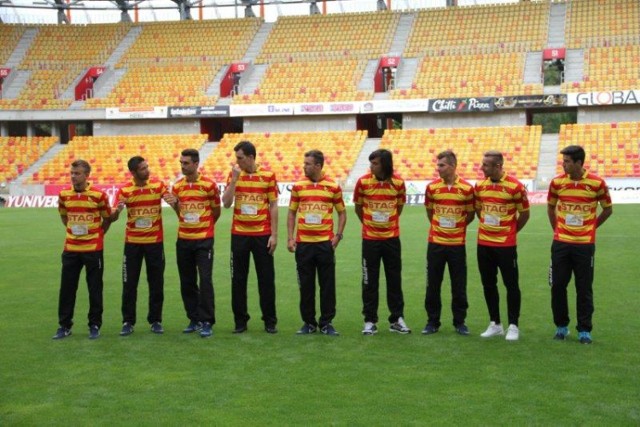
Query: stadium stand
[[9, 38], [283, 153], [613, 149], [618, 23], [20, 152], [414, 150], [108, 156], [609, 68], [163, 69], [56, 57]]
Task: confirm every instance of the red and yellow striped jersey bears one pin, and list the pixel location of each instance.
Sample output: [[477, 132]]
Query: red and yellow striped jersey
[[313, 203], [576, 204], [84, 212], [449, 206], [498, 203], [254, 192], [144, 211], [196, 201], [380, 201]]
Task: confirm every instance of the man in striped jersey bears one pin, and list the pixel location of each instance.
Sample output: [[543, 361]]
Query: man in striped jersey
[[85, 213], [573, 200], [196, 200], [311, 216], [254, 230], [379, 197], [449, 205], [503, 210], [143, 241]]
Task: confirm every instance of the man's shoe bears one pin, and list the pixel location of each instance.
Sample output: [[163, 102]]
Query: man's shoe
[[307, 329], [270, 329], [94, 332], [462, 329], [206, 330], [400, 327], [513, 333], [328, 329], [239, 329], [127, 329], [561, 333], [61, 333], [584, 337], [370, 328], [429, 329], [156, 328], [193, 326], [493, 330]]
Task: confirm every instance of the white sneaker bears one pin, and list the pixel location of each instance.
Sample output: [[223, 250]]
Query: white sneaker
[[493, 330], [370, 328], [400, 327], [513, 333]]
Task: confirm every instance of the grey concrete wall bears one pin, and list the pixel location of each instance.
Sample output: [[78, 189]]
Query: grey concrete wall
[[300, 124], [146, 127], [462, 120], [629, 113]]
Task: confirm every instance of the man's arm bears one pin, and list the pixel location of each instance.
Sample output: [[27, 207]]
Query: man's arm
[[230, 191], [551, 213], [523, 217], [291, 226], [604, 215], [215, 213], [359, 212], [342, 221], [273, 239], [64, 219]]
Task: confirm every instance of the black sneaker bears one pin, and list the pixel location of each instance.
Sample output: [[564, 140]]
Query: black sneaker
[[561, 333], [430, 329], [240, 329], [206, 330], [61, 333], [94, 332], [127, 329], [307, 329], [193, 326], [156, 328], [462, 329], [270, 329], [328, 329]]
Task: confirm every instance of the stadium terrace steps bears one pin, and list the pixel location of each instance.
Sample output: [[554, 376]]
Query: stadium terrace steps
[[258, 41], [366, 83], [50, 154], [70, 92], [556, 27], [123, 46], [214, 87], [252, 78], [406, 73], [361, 165], [107, 81], [21, 49], [547, 160], [532, 67], [574, 65], [15, 83], [403, 30]]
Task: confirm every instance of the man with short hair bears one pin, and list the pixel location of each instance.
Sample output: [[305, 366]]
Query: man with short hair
[[254, 230], [311, 216], [143, 242], [503, 210], [449, 204], [85, 213], [196, 200], [379, 197], [572, 204]]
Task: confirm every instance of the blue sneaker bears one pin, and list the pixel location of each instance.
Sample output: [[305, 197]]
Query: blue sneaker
[[328, 329], [193, 326], [585, 337], [94, 332], [561, 333], [156, 328], [429, 329], [61, 333], [127, 329], [462, 329], [307, 329], [206, 330]]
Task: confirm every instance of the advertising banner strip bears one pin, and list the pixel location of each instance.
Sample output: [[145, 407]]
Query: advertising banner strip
[[461, 105], [613, 97], [196, 111], [136, 113]]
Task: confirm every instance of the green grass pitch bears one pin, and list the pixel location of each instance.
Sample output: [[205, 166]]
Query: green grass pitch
[[284, 379]]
